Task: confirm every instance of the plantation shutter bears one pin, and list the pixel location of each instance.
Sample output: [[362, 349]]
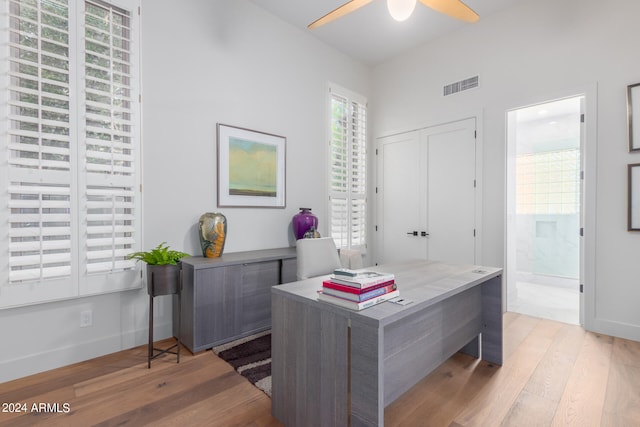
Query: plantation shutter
[[39, 144], [71, 150], [347, 170], [109, 152]]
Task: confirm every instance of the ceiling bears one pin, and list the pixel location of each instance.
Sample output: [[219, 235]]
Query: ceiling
[[369, 34]]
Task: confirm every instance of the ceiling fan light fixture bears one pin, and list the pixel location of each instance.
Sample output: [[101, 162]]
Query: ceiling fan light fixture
[[401, 10]]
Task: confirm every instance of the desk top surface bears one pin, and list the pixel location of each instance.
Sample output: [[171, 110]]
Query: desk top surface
[[423, 282]]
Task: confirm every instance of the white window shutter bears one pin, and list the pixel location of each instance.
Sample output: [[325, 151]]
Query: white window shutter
[[109, 152], [348, 171], [71, 150], [39, 144]]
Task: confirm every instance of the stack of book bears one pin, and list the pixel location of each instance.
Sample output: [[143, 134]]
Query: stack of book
[[358, 290]]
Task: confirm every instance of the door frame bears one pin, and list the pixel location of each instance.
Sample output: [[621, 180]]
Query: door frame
[[478, 116], [588, 195]]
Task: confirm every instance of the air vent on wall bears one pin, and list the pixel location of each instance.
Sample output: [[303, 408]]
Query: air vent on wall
[[465, 84]]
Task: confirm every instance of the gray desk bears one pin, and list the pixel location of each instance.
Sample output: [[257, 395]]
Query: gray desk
[[332, 366]]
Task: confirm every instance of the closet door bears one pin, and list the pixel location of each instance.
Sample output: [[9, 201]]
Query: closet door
[[400, 210], [451, 201], [426, 194]]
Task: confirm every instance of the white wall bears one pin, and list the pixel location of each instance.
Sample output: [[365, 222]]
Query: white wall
[[203, 62], [537, 50], [208, 62]]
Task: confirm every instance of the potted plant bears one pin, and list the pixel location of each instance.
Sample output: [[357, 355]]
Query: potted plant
[[163, 269]]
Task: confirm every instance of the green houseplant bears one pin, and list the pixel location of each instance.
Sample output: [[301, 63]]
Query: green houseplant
[[163, 269]]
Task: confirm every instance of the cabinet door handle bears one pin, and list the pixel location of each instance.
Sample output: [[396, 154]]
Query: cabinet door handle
[[424, 233], [413, 233]]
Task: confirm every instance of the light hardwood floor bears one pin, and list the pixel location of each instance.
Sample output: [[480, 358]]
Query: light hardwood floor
[[555, 374]]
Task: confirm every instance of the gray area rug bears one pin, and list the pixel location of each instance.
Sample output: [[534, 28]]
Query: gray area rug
[[251, 358]]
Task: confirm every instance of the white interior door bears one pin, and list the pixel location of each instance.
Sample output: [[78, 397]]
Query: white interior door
[[426, 194], [401, 212], [451, 177]]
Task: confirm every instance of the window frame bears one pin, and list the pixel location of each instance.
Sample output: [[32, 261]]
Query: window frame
[[79, 282]]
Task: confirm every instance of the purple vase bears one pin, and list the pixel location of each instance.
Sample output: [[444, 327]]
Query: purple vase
[[303, 221]]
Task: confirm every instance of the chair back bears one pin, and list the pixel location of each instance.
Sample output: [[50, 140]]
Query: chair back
[[316, 257]]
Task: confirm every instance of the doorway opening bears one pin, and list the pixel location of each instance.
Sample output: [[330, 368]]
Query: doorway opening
[[544, 209]]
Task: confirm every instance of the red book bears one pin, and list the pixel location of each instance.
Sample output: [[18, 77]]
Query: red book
[[353, 290], [360, 297]]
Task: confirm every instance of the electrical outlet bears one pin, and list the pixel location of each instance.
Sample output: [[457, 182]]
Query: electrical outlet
[[86, 318]]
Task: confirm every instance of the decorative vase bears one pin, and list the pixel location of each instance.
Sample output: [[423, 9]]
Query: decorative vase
[[163, 279], [213, 233], [303, 221]]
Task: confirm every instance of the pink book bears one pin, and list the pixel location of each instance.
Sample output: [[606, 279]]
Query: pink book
[[352, 289]]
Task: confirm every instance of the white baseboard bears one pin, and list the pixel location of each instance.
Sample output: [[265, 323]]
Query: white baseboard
[[615, 329], [58, 357]]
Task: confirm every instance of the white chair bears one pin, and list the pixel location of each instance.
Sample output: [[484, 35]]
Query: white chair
[[316, 257]]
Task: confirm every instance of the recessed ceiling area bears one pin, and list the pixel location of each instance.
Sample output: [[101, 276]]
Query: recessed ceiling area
[[370, 34]]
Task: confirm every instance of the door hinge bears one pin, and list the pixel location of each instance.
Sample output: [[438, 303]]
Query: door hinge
[[475, 134], [474, 183], [376, 228], [582, 118], [581, 288], [474, 232], [582, 175], [141, 188], [376, 190], [581, 232], [376, 151]]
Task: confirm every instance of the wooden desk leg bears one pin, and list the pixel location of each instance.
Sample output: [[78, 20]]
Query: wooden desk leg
[[367, 375], [492, 320]]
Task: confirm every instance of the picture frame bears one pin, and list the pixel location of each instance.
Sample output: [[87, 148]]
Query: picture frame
[[251, 168], [633, 216], [633, 116]]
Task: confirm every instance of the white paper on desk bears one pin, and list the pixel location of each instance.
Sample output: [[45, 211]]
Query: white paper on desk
[[400, 300]]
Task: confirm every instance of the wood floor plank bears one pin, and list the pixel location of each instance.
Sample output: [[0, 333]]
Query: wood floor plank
[[508, 317], [516, 332], [20, 389], [216, 391], [441, 408], [494, 401], [583, 399], [554, 374], [530, 410], [126, 373], [623, 394], [536, 405], [626, 352], [437, 399]]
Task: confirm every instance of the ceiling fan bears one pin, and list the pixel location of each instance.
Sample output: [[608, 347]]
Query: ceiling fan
[[402, 9]]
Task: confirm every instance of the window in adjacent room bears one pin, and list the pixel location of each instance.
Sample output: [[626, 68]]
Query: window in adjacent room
[[348, 171], [70, 178]]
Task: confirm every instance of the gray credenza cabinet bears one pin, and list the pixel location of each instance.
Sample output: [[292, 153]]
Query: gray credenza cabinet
[[229, 297]]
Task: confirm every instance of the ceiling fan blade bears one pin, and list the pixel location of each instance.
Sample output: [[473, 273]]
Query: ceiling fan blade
[[454, 8], [340, 11]]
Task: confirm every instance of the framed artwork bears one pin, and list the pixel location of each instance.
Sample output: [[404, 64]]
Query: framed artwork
[[634, 198], [251, 168], [633, 116]]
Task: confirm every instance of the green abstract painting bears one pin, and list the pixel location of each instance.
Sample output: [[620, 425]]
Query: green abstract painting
[[253, 168]]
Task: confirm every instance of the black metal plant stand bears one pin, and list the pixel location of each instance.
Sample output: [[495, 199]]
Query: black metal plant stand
[[157, 287]]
